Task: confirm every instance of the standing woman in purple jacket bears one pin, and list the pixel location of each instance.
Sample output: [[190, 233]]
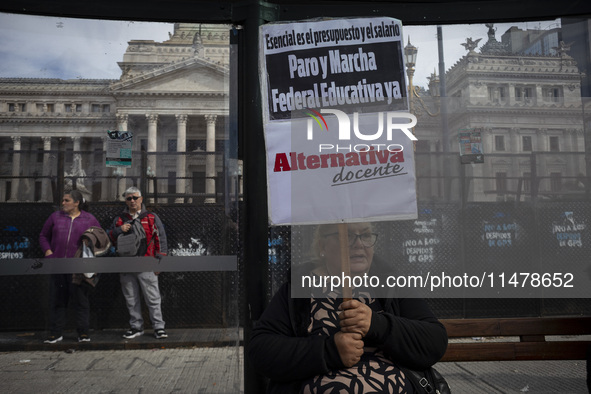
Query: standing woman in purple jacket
[[60, 238]]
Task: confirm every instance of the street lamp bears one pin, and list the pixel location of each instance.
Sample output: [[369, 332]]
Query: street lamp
[[410, 55]]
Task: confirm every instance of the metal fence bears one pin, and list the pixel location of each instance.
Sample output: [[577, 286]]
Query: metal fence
[[450, 235], [189, 299], [167, 177], [460, 208], [456, 235], [528, 176]]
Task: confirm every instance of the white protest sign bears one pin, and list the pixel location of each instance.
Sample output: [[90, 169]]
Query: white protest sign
[[337, 127]]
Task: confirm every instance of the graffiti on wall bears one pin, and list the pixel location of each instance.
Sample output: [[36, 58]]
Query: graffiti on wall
[[500, 232], [275, 245], [568, 231], [13, 245], [422, 247], [194, 248]]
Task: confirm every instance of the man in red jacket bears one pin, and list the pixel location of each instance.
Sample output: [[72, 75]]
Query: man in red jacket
[[132, 282]]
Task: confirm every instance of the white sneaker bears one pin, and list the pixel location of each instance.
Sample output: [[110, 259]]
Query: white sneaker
[[53, 339], [132, 333]]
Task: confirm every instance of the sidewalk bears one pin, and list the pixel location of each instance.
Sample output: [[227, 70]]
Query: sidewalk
[[188, 361], [113, 340], [516, 376], [211, 361], [186, 370]]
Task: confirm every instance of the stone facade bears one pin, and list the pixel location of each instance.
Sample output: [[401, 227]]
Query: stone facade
[[529, 111], [173, 97]]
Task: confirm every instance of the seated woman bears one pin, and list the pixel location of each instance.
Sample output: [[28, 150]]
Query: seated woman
[[324, 345]]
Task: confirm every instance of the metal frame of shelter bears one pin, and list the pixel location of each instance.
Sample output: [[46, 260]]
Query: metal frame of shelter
[[249, 15]]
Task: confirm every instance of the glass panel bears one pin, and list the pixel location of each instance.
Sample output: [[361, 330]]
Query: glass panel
[[71, 93], [524, 87]]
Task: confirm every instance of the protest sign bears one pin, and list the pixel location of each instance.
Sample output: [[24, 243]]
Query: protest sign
[[337, 128]]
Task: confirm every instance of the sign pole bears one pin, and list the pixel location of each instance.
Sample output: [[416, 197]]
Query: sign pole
[[345, 263]]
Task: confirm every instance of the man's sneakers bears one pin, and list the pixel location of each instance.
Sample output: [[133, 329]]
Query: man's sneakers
[[83, 338], [53, 339], [132, 333], [129, 334]]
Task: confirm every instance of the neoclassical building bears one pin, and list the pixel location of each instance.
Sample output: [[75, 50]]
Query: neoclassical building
[[524, 99], [527, 106], [172, 95]]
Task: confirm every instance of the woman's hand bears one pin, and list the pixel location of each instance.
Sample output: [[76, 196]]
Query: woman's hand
[[350, 347], [48, 252], [355, 317]]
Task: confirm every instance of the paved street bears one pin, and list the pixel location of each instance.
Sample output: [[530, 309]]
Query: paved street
[[219, 370], [197, 370], [516, 377]]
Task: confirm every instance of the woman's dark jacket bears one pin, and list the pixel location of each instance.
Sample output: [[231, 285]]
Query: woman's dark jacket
[[281, 349]]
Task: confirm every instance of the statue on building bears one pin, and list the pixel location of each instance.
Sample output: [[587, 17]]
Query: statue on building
[[562, 48], [491, 31], [471, 44], [198, 43], [492, 46], [78, 173]]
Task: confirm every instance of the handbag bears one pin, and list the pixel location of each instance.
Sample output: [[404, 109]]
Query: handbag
[[133, 242], [427, 381]]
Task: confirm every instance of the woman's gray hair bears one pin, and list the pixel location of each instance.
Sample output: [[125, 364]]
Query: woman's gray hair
[[132, 190]]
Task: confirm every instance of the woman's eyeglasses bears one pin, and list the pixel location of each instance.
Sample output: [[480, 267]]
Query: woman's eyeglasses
[[134, 198], [367, 239]]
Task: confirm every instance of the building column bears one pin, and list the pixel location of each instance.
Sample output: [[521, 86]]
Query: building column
[[514, 134], [181, 159], [487, 148], [106, 171], [210, 171], [542, 142], [543, 146], [432, 169], [568, 136], [46, 194], [16, 168], [121, 172], [152, 144], [76, 147], [514, 144], [487, 140], [76, 169], [578, 140], [539, 96], [511, 94], [579, 144], [477, 171]]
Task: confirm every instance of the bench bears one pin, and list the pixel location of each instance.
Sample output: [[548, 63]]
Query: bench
[[502, 339]]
